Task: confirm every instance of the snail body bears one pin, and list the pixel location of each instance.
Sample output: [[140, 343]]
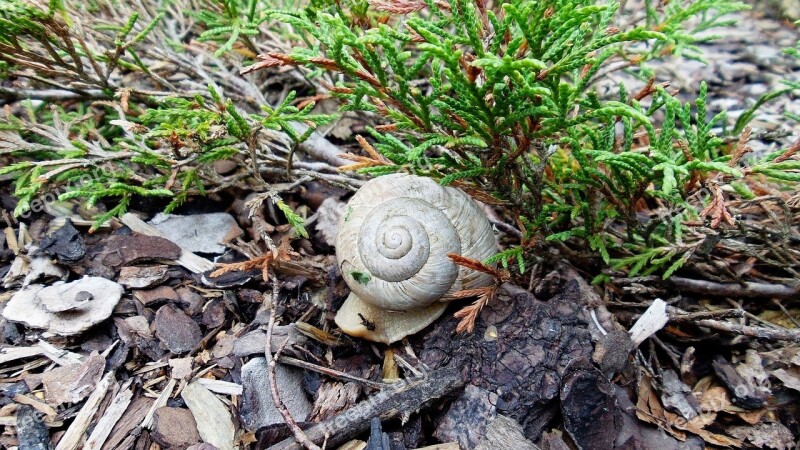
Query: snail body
[[392, 248]]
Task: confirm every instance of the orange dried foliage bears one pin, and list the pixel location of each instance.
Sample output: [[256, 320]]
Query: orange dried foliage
[[264, 262], [374, 159], [717, 209]]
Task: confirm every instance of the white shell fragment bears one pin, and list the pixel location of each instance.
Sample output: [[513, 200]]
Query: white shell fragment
[[65, 308], [392, 249]]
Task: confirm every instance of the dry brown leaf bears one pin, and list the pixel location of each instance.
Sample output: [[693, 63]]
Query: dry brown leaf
[[765, 435], [753, 417], [790, 378], [649, 409]]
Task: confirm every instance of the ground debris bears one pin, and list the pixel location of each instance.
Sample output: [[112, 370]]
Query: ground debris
[[258, 409], [125, 249], [71, 308], [589, 407], [199, 233], [143, 277], [65, 243], [72, 383], [177, 331], [677, 396], [744, 393], [524, 364], [160, 294], [468, 417], [773, 435], [174, 428], [212, 416], [31, 430]]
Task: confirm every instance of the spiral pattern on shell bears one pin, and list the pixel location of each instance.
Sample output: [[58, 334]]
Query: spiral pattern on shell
[[394, 239]]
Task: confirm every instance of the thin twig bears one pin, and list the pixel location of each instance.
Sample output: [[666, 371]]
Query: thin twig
[[786, 312], [747, 330], [330, 372], [745, 289], [778, 334], [399, 398], [299, 435]]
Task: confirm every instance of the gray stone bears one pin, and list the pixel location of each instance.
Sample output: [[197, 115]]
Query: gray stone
[[200, 233], [258, 409]]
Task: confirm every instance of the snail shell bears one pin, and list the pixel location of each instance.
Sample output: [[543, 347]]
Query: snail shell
[[392, 248]]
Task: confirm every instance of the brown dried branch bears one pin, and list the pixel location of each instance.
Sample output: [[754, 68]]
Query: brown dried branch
[[264, 262], [649, 88], [791, 151], [398, 6], [469, 263], [741, 147], [391, 402], [374, 159], [469, 314], [717, 209]]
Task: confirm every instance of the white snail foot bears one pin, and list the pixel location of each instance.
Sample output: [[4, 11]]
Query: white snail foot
[[361, 319]]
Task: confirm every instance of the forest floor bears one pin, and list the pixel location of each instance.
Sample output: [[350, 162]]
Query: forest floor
[[170, 356]]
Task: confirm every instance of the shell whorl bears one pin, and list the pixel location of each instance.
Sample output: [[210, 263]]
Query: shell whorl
[[394, 239]]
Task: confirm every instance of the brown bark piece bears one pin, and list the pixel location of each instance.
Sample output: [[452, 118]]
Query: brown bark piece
[[589, 407], [174, 428], [144, 277], [524, 363], [177, 330], [149, 297], [72, 383], [123, 250], [468, 417]]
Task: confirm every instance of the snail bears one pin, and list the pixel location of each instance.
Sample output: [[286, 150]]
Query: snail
[[392, 246]]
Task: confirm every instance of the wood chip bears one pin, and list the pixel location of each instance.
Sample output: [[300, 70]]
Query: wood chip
[[110, 418], [212, 416], [74, 382], [129, 425], [187, 259], [72, 438], [59, 355], [38, 405], [221, 387], [10, 354], [147, 422]]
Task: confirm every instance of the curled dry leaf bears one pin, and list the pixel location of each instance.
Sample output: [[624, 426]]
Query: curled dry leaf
[[649, 409]]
